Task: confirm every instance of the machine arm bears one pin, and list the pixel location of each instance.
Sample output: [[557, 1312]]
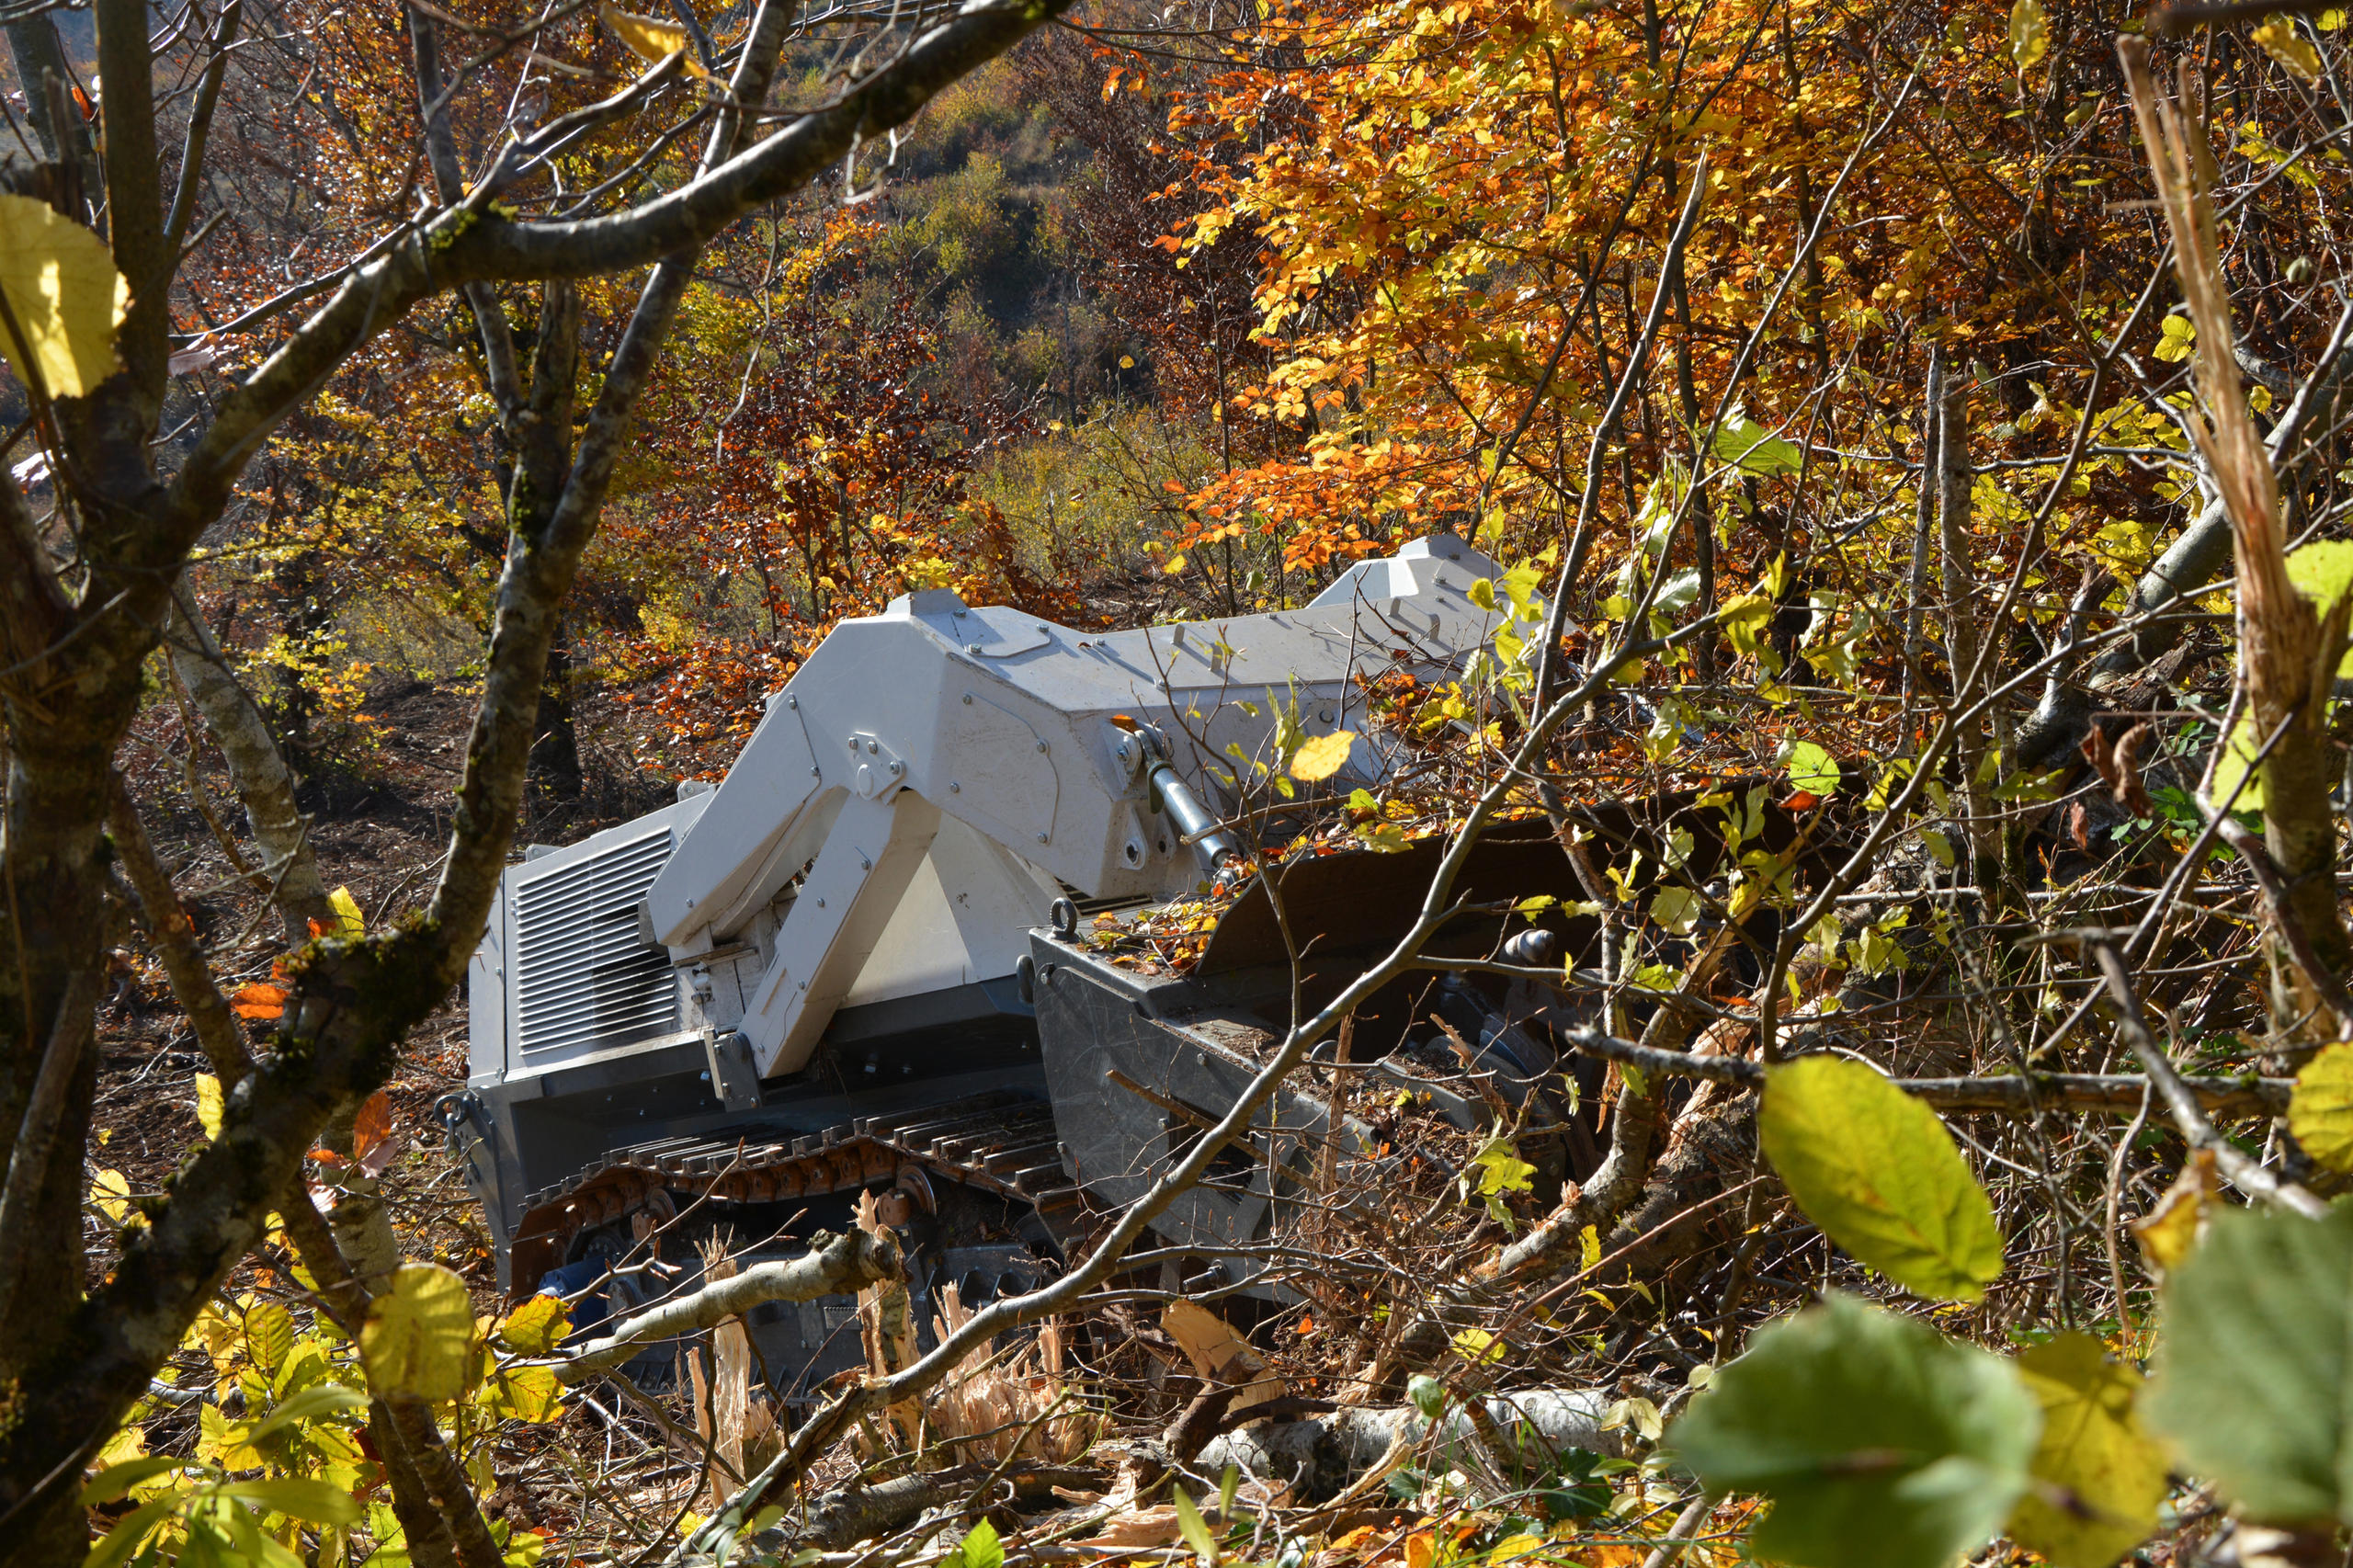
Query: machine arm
[[1050, 746]]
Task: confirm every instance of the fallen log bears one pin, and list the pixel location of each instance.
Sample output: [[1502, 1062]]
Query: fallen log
[[1320, 1456], [848, 1515]]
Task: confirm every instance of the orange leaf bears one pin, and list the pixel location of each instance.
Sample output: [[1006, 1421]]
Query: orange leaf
[[259, 1001], [1802, 800], [373, 1125]]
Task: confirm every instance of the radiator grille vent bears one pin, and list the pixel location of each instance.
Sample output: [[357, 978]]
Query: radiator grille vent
[[583, 978]]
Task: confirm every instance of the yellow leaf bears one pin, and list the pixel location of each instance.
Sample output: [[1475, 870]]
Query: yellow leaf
[[526, 1393], [2176, 337], [1476, 1345], [269, 1334], [1127, 361], [2103, 1476], [350, 926], [1879, 1174], [111, 1192], [1321, 757], [208, 1104], [648, 38], [2167, 1231], [419, 1333], [2321, 1113], [2030, 34], [2280, 41], [534, 1328], [64, 294]]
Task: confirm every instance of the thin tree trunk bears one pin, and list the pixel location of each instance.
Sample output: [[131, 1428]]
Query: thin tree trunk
[[257, 768], [1953, 479]]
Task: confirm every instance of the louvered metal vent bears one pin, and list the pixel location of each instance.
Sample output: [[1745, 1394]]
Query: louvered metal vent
[[584, 978]]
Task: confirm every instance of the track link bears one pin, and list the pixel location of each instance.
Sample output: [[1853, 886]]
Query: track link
[[999, 1144]]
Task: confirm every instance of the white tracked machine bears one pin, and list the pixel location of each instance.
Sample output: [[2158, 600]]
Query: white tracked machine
[[854, 966]]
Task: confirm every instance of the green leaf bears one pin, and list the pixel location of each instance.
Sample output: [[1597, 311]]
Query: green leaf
[[1881, 1443], [1197, 1530], [1749, 447], [1501, 1169], [2100, 1476], [2323, 573], [1876, 1169], [2252, 1382], [418, 1335], [2237, 761], [979, 1549], [128, 1532], [315, 1501], [1743, 619], [1429, 1395], [117, 1479], [1483, 594], [1813, 769], [308, 1405], [66, 295], [1675, 909]]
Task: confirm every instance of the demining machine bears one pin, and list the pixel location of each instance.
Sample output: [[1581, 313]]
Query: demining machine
[[856, 965]]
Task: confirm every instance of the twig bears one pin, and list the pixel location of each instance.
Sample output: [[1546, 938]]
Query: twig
[[2116, 1094], [1678, 1535], [2245, 1174]]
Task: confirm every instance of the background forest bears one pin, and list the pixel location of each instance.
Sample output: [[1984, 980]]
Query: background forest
[[1911, 435]]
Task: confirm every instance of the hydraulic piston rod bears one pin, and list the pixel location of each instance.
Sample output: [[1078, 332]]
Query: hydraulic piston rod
[[1212, 843]]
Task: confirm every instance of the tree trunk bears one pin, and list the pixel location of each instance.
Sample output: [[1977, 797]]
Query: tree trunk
[[555, 752]]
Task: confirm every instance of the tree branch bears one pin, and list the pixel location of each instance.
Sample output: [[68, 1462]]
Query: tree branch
[[835, 1266], [193, 986], [469, 242]]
